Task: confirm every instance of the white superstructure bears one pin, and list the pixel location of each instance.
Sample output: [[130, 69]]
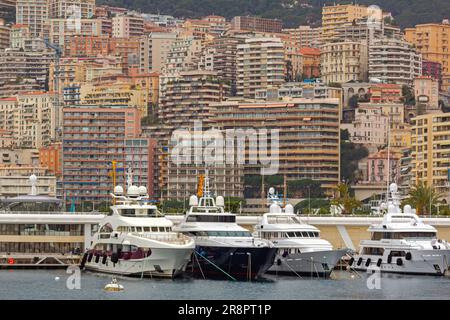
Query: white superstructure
[[300, 249], [402, 243], [137, 240]]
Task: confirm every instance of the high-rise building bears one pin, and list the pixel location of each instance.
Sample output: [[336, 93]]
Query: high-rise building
[[5, 31], [125, 26], [61, 30], [50, 157], [337, 16], [256, 24], [426, 92], [94, 137], [344, 61], [33, 13], [433, 70], [153, 50], [394, 61], [430, 150], [31, 117], [305, 36], [260, 63], [71, 9], [309, 137], [432, 40]]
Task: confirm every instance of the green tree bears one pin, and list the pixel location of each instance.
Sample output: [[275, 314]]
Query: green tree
[[344, 199], [351, 154], [408, 95], [304, 188], [322, 204], [423, 198]]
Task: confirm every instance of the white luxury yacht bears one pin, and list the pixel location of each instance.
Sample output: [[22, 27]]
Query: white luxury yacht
[[224, 250], [300, 251], [137, 240], [402, 243]]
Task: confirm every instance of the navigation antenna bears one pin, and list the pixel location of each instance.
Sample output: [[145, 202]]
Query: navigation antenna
[[206, 191], [129, 178]]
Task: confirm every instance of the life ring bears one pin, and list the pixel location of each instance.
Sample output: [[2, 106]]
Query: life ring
[[379, 262], [408, 256], [359, 261], [11, 261], [399, 261], [368, 262]]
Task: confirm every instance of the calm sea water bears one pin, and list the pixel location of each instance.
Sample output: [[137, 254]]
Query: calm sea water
[[44, 284]]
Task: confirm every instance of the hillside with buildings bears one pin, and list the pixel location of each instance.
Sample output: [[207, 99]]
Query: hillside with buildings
[[292, 12]]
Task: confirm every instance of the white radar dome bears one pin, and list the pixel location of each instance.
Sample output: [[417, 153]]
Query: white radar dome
[[133, 191], [142, 190], [393, 187], [274, 208], [193, 201], [220, 201], [33, 178], [391, 208], [289, 208], [407, 209], [118, 190]]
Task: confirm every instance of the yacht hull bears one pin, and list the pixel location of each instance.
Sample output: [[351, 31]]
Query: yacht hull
[[242, 264], [162, 263], [422, 262], [310, 264]]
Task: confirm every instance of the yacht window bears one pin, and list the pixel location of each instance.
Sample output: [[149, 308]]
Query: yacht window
[[397, 253], [211, 218], [126, 248], [291, 234], [226, 233], [107, 228], [373, 251], [154, 229], [162, 229], [311, 234], [168, 229], [298, 234], [146, 229], [138, 229], [134, 248], [304, 234]]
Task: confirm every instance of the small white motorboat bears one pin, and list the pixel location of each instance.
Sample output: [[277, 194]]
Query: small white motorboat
[[114, 286]]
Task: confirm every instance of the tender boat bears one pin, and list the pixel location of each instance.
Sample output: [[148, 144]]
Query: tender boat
[[224, 250], [300, 250], [114, 286], [137, 240], [402, 243]]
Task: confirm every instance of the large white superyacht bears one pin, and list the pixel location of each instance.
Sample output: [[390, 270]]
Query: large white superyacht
[[224, 250], [137, 240], [402, 243], [300, 250]]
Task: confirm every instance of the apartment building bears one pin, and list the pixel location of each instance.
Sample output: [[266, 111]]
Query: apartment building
[[184, 55], [426, 91], [344, 61], [383, 167], [50, 157], [31, 117], [71, 8], [95, 136], [310, 62], [60, 31], [17, 66], [260, 63], [5, 30], [33, 13], [369, 127], [125, 26], [306, 36], [337, 16], [432, 40], [309, 137], [153, 50], [433, 70], [430, 151], [385, 93], [256, 24], [394, 61]]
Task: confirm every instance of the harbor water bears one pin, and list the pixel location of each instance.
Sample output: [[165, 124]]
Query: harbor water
[[52, 284]]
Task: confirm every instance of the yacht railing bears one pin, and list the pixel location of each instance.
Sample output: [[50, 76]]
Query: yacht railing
[[53, 212], [176, 238]]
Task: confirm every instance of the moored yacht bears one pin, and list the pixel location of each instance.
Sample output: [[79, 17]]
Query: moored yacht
[[137, 240], [224, 250], [402, 243], [300, 250]]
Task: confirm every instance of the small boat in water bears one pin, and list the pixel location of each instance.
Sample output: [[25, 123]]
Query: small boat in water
[[114, 286]]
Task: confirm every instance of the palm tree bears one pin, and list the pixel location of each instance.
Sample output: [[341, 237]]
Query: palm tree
[[423, 198], [343, 198]]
